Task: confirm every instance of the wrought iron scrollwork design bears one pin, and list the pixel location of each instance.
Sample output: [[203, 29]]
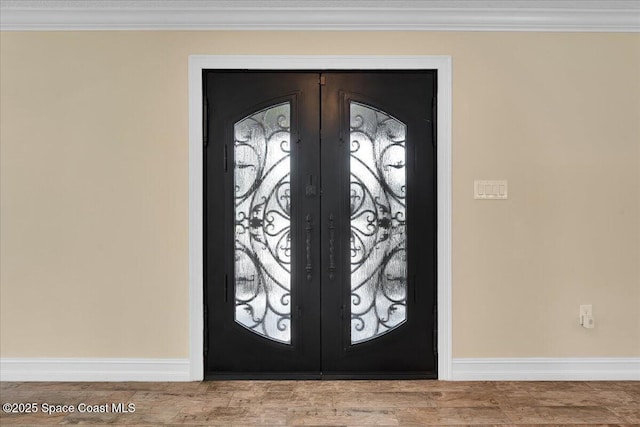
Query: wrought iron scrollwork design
[[262, 200], [378, 223]]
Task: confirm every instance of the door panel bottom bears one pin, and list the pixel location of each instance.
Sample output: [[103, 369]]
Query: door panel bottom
[[326, 376]]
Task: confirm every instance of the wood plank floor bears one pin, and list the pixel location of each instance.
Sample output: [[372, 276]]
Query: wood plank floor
[[332, 403]]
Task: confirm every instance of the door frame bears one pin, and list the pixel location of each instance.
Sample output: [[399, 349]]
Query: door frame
[[197, 63]]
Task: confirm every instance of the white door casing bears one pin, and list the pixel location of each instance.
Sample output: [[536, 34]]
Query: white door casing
[[197, 63]]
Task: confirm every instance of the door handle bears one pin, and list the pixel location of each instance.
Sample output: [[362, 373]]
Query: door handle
[[309, 227], [332, 255]]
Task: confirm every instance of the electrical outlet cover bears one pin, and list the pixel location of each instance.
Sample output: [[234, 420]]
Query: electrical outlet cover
[[586, 316]]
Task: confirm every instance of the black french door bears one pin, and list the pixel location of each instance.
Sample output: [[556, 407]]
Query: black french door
[[320, 224]]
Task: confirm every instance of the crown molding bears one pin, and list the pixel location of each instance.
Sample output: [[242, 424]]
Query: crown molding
[[418, 15]]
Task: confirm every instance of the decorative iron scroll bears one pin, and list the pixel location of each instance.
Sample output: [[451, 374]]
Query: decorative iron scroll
[[262, 196], [378, 239]]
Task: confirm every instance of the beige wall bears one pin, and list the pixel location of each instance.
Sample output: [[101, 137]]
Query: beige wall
[[94, 175]]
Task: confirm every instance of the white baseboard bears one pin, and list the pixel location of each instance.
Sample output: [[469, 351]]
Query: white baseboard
[[486, 369], [546, 369], [81, 369]]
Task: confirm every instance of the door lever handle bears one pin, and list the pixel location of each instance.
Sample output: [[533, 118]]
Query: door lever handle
[[309, 227], [332, 255]]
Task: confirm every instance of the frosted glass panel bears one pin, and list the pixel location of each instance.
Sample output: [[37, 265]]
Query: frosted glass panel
[[262, 167], [378, 250]]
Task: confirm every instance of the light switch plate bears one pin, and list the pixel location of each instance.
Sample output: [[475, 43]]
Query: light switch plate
[[490, 189]]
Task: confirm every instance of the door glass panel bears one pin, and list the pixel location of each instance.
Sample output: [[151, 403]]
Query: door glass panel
[[262, 171], [378, 223]]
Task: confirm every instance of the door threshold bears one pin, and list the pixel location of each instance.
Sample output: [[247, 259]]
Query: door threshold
[[247, 376]]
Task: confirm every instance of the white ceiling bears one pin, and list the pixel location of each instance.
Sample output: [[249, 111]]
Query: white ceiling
[[437, 15]]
